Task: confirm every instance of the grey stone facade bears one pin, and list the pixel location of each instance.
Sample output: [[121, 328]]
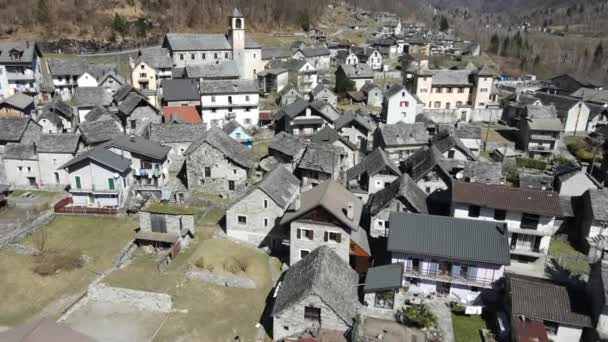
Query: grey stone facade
[[223, 172], [297, 245], [174, 223], [291, 322]]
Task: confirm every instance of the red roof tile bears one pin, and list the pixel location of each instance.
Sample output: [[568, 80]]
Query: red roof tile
[[530, 331], [265, 116], [187, 114], [507, 198]]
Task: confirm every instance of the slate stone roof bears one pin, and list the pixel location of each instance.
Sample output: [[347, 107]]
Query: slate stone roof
[[276, 53], [231, 148], [592, 95], [139, 145], [554, 125], [423, 161], [324, 274], [328, 135], [19, 101], [542, 300], [319, 89], [483, 172], [12, 128], [451, 77], [27, 50], [197, 41], [357, 71], [363, 52], [357, 118], [72, 67], [229, 87], [293, 109], [59, 107], [321, 157], [100, 114], [94, 132], [176, 133], [541, 112], [449, 237], [102, 156], [287, 144], [293, 65], [382, 278], [375, 162], [123, 92], [315, 51], [227, 69], [157, 58], [468, 132], [280, 185], [599, 203], [531, 179], [400, 134], [133, 101], [231, 126], [236, 13], [334, 198], [369, 86], [58, 143], [403, 189], [20, 151], [445, 141], [91, 97], [180, 90], [507, 198]]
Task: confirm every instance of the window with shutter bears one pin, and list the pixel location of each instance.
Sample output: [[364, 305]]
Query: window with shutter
[[299, 233], [326, 236]]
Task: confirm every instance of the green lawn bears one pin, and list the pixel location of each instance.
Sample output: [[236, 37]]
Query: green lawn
[[568, 257], [24, 293], [467, 328]]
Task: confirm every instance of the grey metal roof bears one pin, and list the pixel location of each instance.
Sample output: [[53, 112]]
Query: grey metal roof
[[73, 67], [58, 143], [276, 53], [176, 133], [357, 118], [180, 90], [223, 70], [26, 50], [357, 71], [449, 237], [382, 278], [543, 300], [229, 87], [20, 151], [280, 185], [19, 101], [287, 144], [102, 156], [12, 128], [403, 189], [375, 162], [139, 145], [232, 149], [400, 133], [324, 274], [599, 203], [95, 132], [197, 41], [91, 96], [334, 198]]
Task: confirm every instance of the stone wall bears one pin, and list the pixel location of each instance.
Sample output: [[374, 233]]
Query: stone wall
[[296, 245], [291, 321], [172, 222], [143, 300], [27, 228]]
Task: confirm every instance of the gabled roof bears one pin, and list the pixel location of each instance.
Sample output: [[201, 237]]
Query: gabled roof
[[507, 198], [19, 101], [449, 237], [19, 151], [67, 66], [592, 95], [328, 135], [197, 41], [229, 87], [175, 133], [403, 189], [319, 89], [357, 71], [400, 133], [100, 113], [91, 97], [541, 299], [114, 75], [369, 86], [324, 274], [58, 143], [293, 109], [293, 65], [157, 58], [314, 51], [333, 198], [123, 92], [287, 144], [395, 89], [321, 157], [231, 126], [26, 50], [180, 90], [59, 107], [94, 132], [232, 149], [276, 53], [553, 125], [541, 112], [12, 128], [280, 185], [223, 70], [139, 145], [358, 118], [375, 162], [133, 101], [423, 161], [236, 13], [102, 156], [187, 114], [483, 172], [444, 141]]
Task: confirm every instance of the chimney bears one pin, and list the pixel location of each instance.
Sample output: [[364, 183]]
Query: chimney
[[297, 202], [350, 210]]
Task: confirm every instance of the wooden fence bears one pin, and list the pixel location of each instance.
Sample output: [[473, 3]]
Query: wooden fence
[[63, 207]]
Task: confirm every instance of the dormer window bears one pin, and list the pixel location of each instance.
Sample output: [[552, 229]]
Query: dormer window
[[15, 54]]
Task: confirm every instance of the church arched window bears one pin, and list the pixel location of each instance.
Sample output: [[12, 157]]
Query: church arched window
[[238, 23]]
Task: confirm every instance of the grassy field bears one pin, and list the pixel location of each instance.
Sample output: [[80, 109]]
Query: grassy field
[[568, 257], [205, 312], [467, 328], [24, 293]]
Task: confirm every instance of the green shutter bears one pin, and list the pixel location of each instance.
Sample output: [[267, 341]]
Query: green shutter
[[78, 185], [111, 183]]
